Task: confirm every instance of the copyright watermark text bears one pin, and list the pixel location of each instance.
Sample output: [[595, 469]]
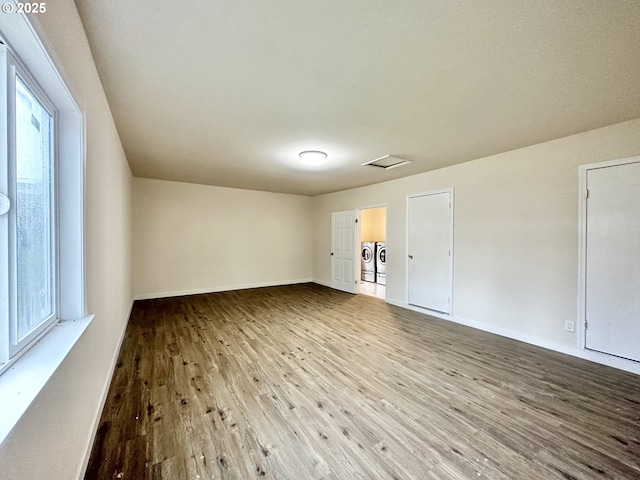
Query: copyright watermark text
[[24, 7]]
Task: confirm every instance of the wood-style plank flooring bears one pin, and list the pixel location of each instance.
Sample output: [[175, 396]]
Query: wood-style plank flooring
[[306, 383]]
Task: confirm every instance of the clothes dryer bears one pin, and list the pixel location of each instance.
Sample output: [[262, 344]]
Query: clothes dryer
[[368, 265], [381, 263]]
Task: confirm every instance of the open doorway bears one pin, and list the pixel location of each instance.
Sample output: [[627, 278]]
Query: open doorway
[[373, 251]]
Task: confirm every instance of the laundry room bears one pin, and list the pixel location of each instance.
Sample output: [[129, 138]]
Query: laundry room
[[373, 238]]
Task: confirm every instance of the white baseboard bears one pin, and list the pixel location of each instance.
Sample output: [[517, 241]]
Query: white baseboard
[[223, 288], [601, 358], [321, 282], [105, 393]]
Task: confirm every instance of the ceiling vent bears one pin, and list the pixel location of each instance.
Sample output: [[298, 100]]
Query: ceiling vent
[[387, 162]]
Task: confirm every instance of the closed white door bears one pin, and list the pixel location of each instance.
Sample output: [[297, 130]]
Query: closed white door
[[430, 266], [612, 289], [343, 248]]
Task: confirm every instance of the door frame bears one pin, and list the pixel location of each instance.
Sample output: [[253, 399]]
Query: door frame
[[358, 266], [451, 244], [581, 324]]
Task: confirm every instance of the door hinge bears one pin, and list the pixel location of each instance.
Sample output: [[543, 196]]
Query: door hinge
[[356, 220], [585, 324], [586, 193], [449, 252], [449, 300]]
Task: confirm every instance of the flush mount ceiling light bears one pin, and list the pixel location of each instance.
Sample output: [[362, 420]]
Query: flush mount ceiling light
[[313, 157]]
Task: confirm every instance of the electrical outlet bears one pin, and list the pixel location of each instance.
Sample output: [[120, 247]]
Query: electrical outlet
[[570, 326]]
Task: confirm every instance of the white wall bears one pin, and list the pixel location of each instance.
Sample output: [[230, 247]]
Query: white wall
[[195, 238], [516, 232], [53, 437]]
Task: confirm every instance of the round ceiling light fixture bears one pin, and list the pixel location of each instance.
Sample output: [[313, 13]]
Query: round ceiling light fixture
[[313, 157]]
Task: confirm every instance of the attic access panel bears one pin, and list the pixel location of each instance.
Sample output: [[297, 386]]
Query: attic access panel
[[387, 162]]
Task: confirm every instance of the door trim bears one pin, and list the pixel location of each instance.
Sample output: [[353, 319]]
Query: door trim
[[451, 244], [582, 256]]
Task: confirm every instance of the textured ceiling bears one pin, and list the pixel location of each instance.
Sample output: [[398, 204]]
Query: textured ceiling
[[228, 92]]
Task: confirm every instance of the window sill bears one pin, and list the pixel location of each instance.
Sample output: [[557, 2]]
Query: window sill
[[23, 380]]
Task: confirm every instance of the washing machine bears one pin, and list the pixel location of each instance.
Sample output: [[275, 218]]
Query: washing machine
[[381, 263], [368, 267]]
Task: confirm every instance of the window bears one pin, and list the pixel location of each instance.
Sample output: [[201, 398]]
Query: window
[[28, 166], [32, 221], [41, 176], [42, 309]]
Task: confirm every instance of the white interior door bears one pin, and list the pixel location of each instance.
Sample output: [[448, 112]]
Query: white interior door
[[430, 244], [343, 248], [612, 290]]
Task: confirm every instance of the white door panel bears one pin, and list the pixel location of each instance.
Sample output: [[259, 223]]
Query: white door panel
[[343, 247], [429, 249], [612, 305]]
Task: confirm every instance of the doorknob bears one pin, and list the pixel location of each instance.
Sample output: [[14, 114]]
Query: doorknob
[[411, 257], [332, 254]]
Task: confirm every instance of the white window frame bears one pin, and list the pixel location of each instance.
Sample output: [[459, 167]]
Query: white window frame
[[15, 71], [24, 375]]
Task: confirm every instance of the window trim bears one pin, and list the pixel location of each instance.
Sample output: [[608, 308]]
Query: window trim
[[17, 344], [27, 374], [4, 219], [21, 38]]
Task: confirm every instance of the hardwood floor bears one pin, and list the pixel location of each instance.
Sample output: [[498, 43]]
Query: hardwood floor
[[303, 382]]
